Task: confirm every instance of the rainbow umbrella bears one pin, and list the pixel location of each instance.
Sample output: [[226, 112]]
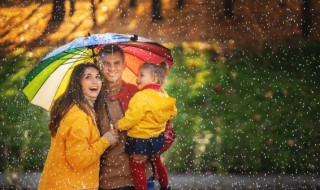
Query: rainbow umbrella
[[49, 79]]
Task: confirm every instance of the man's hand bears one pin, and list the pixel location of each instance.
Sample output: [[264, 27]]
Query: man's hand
[[139, 158]]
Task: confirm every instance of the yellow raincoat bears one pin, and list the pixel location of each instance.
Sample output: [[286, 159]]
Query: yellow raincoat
[[147, 114], [74, 156]]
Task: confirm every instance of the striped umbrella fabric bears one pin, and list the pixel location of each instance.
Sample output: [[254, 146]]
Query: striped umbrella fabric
[[49, 79]]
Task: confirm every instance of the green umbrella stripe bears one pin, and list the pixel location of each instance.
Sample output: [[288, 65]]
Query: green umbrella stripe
[[82, 59], [42, 65], [34, 85], [48, 91]]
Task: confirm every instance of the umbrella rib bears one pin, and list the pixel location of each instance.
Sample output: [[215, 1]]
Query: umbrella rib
[[165, 55], [75, 60], [138, 56], [132, 69], [82, 58], [83, 53]]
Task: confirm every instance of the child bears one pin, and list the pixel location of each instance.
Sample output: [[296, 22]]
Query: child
[[145, 121]]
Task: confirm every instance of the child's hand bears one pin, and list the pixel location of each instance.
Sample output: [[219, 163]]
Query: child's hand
[[139, 158], [116, 127]]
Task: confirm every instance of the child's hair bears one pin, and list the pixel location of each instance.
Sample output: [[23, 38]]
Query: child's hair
[[160, 71]]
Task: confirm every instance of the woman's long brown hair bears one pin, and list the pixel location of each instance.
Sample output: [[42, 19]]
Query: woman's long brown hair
[[73, 95]]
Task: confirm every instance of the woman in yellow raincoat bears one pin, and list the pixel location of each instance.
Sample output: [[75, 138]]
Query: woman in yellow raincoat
[[76, 145]]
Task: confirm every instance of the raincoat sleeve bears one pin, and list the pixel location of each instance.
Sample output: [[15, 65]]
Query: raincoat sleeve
[[80, 152], [135, 112]]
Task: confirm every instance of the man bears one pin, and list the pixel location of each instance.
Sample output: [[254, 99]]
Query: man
[[115, 171]]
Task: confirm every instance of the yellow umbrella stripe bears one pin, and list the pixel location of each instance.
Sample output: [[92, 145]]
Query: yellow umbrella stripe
[[33, 87], [66, 79]]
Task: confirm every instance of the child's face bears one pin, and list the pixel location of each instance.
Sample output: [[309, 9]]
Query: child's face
[[91, 83], [144, 78]]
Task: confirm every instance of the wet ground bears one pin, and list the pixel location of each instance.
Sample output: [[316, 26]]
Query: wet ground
[[196, 181]]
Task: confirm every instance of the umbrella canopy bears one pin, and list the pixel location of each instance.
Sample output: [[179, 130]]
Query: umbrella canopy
[[49, 79]]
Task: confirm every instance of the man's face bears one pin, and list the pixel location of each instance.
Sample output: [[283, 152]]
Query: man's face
[[112, 66]]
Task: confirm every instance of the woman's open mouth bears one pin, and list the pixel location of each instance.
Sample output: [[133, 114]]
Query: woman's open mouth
[[94, 89]]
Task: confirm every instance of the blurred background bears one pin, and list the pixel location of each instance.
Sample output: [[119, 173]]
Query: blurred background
[[246, 79]]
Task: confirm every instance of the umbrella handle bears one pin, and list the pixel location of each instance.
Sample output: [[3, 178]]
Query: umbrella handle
[[111, 126], [93, 53]]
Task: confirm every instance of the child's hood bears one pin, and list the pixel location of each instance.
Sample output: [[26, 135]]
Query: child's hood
[[163, 106]]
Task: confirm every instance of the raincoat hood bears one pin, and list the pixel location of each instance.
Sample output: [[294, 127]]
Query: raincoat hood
[[163, 106]]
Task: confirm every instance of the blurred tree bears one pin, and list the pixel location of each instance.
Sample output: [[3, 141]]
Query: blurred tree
[[228, 8], [24, 136], [180, 3], [156, 10], [58, 11], [241, 115], [132, 3], [72, 2], [282, 4], [306, 18], [94, 19]]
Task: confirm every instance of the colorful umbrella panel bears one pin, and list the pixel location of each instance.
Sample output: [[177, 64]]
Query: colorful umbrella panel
[[49, 79]]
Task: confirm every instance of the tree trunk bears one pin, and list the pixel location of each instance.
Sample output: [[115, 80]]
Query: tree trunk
[[58, 11], [72, 2], [228, 8], [94, 20], [132, 3], [180, 4], [156, 10], [306, 18]]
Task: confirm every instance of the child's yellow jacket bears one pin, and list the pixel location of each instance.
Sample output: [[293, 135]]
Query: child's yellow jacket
[[74, 156], [147, 114]]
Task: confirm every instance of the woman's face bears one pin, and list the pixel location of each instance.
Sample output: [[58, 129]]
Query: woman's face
[[91, 83]]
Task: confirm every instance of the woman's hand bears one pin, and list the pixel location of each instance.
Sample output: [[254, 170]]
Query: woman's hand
[[112, 136], [139, 158]]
